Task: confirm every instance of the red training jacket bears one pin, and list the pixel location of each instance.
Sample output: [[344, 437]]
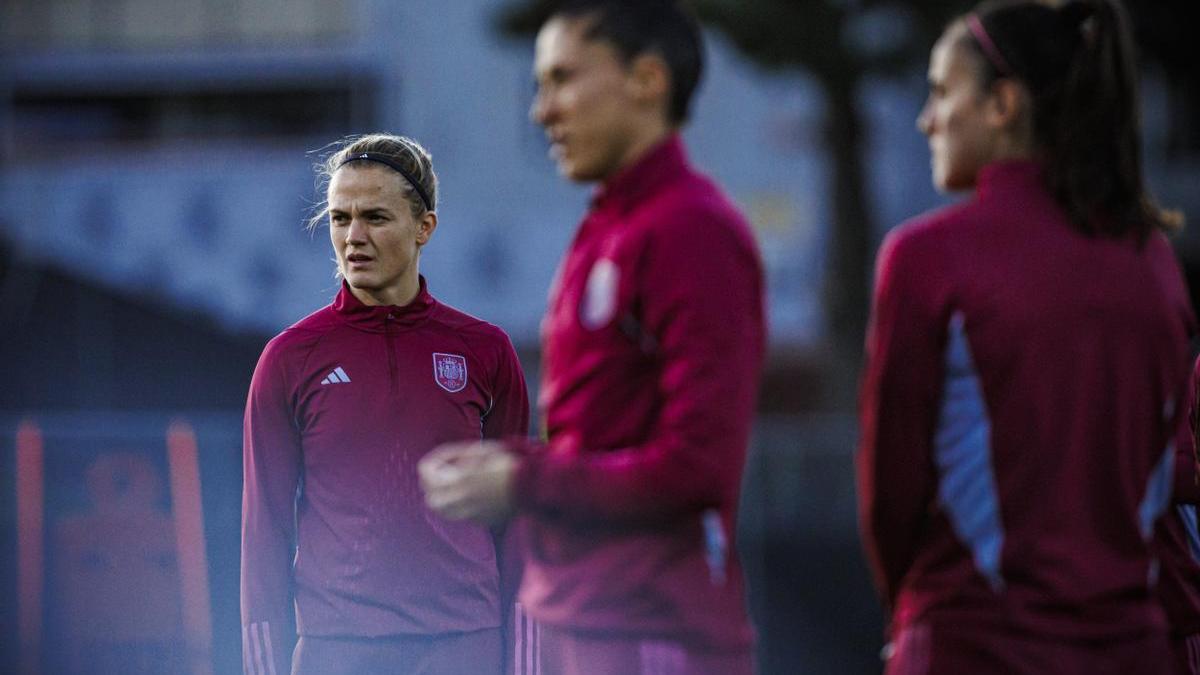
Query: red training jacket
[[652, 348], [341, 407], [1021, 393]]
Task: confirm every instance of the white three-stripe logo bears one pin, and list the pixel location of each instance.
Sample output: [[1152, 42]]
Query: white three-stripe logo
[[336, 376]]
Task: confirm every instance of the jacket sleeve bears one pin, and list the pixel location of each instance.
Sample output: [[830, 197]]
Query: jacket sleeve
[[900, 393], [507, 419], [509, 412], [272, 468], [699, 297]]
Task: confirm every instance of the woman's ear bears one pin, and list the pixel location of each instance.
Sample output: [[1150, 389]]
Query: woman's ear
[[1009, 104], [426, 224], [651, 77]]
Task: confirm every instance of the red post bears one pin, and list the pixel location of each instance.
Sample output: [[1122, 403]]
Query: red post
[[30, 545], [184, 465]]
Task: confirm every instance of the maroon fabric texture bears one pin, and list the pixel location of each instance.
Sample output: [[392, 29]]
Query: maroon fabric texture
[[566, 652], [922, 649]]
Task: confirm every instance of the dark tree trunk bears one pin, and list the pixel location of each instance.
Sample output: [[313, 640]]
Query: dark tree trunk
[[846, 292]]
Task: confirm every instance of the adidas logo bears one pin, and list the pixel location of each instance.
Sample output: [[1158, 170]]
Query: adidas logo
[[337, 376]]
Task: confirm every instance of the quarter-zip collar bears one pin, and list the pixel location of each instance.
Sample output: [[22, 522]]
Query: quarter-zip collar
[[378, 318], [629, 186]]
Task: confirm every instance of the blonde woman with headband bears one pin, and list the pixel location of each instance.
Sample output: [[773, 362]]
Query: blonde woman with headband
[[342, 406]]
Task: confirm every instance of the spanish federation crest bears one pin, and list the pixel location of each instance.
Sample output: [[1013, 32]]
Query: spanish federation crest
[[599, 303], [450, 371]]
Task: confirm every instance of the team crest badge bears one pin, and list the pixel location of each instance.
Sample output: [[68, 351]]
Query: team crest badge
[[599, 303], [450, 371]]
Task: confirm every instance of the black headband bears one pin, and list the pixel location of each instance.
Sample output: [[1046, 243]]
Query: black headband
[[383, 159]]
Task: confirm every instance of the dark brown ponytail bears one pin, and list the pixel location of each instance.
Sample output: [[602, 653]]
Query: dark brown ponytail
[[1079, 63]]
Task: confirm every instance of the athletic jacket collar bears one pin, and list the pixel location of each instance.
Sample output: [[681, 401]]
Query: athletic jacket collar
[[379, 317], [642, 178], [1007, 176]]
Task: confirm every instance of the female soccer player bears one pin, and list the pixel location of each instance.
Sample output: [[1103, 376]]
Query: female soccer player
[[342, 406], [1027, 358]]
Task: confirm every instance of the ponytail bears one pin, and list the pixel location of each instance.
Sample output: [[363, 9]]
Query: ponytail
[[1078, 62]]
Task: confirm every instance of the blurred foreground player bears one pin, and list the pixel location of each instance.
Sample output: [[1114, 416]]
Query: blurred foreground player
[[1027, 359], [341, 407], [652, 345]]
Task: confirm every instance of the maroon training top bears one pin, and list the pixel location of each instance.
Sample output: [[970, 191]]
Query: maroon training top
[[341, 407], [652, 348], [1021, 392]]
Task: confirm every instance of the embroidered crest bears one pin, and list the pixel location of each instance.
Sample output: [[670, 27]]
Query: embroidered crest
[[450, 371], [599, 303]]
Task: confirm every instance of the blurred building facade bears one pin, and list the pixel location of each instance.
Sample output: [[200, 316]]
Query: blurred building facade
[[167, 148]]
